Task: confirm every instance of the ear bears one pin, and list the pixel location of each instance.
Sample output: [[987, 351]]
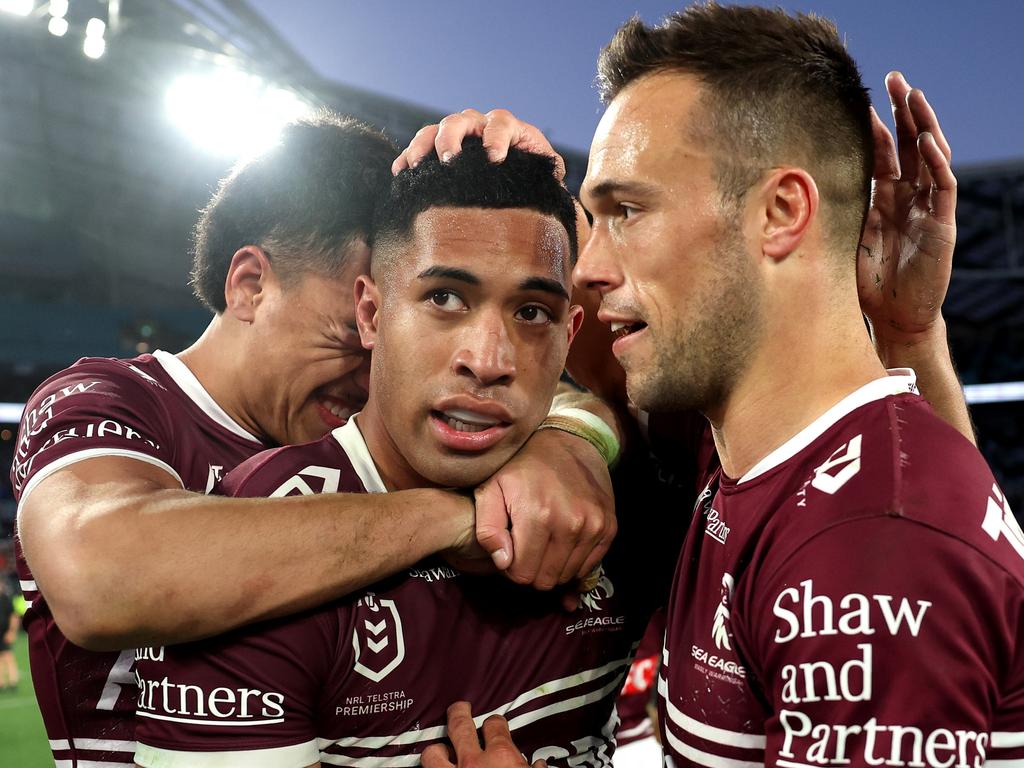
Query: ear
[[789, 205], [575, 320], [367, 306], [248, 276]]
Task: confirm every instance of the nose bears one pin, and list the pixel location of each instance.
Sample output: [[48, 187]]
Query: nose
[[487, 354], [597, 268]]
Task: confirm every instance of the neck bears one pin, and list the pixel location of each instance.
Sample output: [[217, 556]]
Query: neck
[[810, 358], [394, 470], [215, 359]]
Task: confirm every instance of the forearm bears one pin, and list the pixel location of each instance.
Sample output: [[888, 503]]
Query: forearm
[[171, 566], [929, 356]]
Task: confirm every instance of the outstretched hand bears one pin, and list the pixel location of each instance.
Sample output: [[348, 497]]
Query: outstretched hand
[[906, 252]]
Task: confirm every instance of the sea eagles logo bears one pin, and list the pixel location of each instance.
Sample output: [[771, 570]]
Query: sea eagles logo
[[377, 639], [603, 589], [719, 630]]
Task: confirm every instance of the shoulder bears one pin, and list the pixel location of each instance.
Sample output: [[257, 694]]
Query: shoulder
[[321, 466]]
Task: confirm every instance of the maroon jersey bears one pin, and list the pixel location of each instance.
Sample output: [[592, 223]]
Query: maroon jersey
[[367, 680], [853, 600], [150, 409]]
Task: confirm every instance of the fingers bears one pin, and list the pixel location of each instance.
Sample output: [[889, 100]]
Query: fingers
[[496, 733], [906, 128], [462, 730], [492, 519], [943, 191], [600, 549], [454, 129], [927, 121], [437, 756], [887, 163], [420, 146]]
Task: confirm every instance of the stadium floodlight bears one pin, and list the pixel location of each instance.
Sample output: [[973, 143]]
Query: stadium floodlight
[[231, 113], [58, 26], [95, 28], [58, 8], [94, 46], [17, 7]]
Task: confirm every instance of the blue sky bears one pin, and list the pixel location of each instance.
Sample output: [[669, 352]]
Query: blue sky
[[537, 58]]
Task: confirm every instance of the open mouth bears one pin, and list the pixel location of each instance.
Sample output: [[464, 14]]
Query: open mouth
[[334, 412], [622, 330], [464, 430]]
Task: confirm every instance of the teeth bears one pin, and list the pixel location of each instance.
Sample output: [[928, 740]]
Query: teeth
[[616, 327], [461, 426], [339, 411], [470, 418]]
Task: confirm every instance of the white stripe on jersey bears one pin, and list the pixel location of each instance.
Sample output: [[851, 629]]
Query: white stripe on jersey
[[405, 761], [154, 716], [708, 732], [705, 758], [644, 725], [439, 732], [1007, 739], [108, 745], [296, 754], [93, 453], [90, 764], [1003, 764], [103, 745], [28, 586], [564, 706]]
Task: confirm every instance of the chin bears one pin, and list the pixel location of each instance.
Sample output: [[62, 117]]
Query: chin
[[464, 472]]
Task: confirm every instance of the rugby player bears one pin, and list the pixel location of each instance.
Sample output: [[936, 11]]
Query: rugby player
[[114, 456], [861, 604], [469, 317]]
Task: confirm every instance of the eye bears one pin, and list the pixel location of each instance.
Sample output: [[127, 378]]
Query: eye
[[628, 211], [446, 300], [534, 315]]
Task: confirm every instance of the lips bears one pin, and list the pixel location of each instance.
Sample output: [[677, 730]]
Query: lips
[[333, 411], [467, 424]]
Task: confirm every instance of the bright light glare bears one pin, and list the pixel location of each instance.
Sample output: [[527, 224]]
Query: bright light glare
[[17, 7], [58, 26], [231, 113], [58, 8], [93, 47], [95, 28]]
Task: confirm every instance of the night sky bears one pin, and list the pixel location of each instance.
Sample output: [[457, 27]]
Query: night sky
[[537, 58]]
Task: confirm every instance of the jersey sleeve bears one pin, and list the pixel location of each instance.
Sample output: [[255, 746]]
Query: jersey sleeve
[[91, 410], [881, 640], [247, 699]]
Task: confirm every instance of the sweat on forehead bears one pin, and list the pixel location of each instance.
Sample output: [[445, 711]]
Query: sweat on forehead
[[524, 180]]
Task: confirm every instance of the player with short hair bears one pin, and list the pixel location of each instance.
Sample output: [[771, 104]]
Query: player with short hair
[[119, 546], [850, 591], [468, 313]]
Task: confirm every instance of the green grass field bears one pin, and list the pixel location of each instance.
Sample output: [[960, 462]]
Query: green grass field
[[22, 738]]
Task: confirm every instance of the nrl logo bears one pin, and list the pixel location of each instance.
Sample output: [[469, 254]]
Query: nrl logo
[[603, 589], [719, 630], [378, 640]]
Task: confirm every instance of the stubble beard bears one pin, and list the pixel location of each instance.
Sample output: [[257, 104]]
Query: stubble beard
[[700, 355]]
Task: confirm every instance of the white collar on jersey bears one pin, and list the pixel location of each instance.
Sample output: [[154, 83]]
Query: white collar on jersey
[[351, 441], [189, 384], [899, 381]]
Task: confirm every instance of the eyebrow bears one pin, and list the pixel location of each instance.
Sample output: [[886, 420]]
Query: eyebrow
[[452, 273], [545, 284], [610, 186]]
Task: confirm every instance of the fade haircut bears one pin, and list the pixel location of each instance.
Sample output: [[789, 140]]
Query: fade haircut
[[304, 202], [470, 180], [776, 89]]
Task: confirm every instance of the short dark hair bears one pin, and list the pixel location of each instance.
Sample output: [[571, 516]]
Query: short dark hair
[[470, 180], [777, 88], [303, 202]]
